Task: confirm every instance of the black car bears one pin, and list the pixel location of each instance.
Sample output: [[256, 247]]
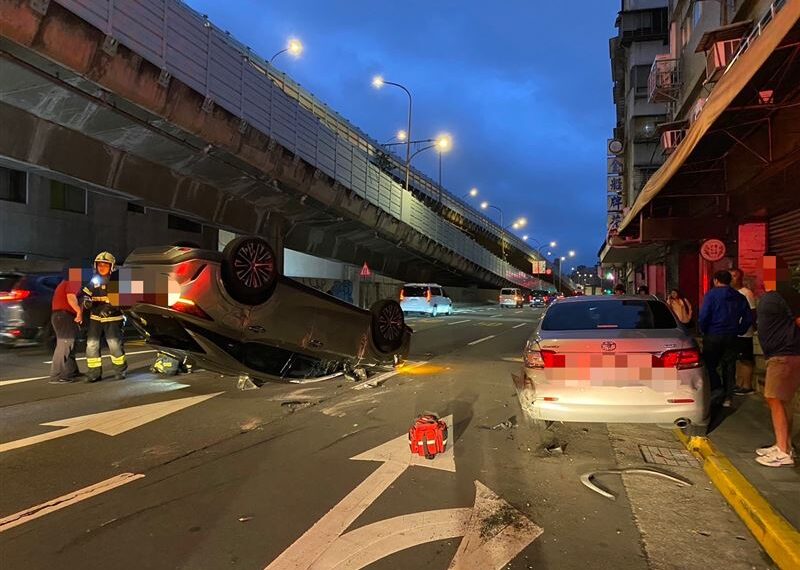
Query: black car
[[25, 299]]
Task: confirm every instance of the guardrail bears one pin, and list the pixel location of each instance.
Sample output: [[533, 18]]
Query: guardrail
[[185, 45]]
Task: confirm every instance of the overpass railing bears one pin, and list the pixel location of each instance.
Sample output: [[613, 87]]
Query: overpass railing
[[185, 45]]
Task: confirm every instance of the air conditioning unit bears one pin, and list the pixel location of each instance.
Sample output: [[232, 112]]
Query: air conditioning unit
[[696, 109], [671, 139], [719, 56]]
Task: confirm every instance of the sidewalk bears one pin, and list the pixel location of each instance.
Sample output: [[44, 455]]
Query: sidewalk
[[767, 499], [747, 428]]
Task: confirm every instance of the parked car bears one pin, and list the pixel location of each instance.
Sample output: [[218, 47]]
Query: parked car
[[232, 312], [511, 297], [428, 298], [613, 359], [25, 299]]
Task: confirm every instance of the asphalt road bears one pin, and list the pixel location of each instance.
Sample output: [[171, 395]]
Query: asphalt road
[[190, 472]]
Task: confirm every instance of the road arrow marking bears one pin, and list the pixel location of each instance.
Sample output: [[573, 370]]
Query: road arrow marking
[[494, 533], [497, 532], [110, 423], [396, 458], [66, 500]]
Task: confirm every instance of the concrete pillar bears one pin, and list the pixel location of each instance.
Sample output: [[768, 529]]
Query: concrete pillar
[[752, 247]]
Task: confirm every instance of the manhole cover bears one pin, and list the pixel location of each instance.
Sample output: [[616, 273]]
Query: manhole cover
[[668, 456]]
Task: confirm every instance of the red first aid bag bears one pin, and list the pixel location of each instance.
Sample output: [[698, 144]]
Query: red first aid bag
[[428, 436]]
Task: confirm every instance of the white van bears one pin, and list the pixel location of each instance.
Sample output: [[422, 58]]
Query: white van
[[428, 298], [511, 297]]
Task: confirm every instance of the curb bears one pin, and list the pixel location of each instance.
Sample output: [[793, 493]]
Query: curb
[[775, 534]]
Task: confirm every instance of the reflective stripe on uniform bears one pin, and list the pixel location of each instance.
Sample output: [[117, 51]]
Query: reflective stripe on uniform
[[100, 299], [118, 360], [94, 362], [87, 291], [106, 319]]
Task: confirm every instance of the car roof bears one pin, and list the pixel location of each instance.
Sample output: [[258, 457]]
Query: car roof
[[585, 298]]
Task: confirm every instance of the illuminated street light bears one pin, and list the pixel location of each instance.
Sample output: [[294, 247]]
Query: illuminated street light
[[377, 82], [549, 253], [525, 238], [444, 143], [553, 244], [401, 135], [294, 47], [484, 205], [572, 253]]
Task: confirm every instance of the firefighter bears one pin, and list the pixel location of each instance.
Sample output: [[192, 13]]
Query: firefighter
[[100, 298]]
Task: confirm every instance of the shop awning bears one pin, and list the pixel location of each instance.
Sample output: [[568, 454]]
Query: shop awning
[[725, 91]]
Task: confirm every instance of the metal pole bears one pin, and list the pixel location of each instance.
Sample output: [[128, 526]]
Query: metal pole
[[440, 177]]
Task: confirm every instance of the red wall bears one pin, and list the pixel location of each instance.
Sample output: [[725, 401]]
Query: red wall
[[752, 247]]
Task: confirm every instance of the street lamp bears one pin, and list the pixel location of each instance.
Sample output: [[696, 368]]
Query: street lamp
[[443, 144], [525, 238], [571, 253], [472, 193], [378, 82], [294, 47]]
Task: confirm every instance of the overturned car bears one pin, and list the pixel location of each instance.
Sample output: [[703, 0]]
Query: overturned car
[[234, 313]]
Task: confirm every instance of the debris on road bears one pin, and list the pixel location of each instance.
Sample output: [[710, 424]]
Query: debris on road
[[244, 382], [295, 405], [507, 424], [587, 478], [556, 448], [245, 519], [703, 532]]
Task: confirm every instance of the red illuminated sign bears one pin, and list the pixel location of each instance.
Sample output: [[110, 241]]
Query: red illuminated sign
[[712, 250]]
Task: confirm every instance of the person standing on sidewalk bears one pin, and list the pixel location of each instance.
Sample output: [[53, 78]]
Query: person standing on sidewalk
[[745, 358], [66, 315], [680, 306], [779, 333], [724, 315]]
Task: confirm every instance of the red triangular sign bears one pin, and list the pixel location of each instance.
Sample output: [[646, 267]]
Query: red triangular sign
[[365, 272]]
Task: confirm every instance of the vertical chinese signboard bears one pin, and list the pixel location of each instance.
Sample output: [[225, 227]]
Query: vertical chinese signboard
[[614, 186]]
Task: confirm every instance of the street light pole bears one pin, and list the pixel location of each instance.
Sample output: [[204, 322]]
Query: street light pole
[[379, 82]]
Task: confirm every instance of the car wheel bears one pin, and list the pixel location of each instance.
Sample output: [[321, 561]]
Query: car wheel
[[249, 270], [388, 326]]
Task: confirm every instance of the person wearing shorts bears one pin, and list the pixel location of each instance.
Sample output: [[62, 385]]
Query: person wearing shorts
[[779, 333]]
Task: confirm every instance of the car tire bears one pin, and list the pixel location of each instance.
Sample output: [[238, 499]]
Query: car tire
[[388, 326], [249, 270]]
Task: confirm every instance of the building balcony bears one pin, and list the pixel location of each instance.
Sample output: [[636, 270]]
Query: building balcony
[[664, 82]]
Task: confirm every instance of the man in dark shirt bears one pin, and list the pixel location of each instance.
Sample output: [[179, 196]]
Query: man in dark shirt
[[724, 315], [779, 333]]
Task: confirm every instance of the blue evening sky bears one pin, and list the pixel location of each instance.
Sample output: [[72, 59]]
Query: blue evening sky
[[523, 87]]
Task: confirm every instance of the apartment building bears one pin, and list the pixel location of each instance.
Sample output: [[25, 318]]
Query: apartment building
[[720, 189]]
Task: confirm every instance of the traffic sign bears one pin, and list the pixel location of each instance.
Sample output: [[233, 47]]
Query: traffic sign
[[365, 272]]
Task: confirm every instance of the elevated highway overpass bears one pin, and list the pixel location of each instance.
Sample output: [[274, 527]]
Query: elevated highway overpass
[[148, 100]]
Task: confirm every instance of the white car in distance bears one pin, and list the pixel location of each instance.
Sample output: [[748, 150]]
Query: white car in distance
[[427, 298]]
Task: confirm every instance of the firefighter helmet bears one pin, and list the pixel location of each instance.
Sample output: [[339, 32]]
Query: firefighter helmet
[[106, 257]]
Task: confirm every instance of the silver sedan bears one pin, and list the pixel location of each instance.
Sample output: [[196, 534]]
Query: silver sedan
[[613, 359]]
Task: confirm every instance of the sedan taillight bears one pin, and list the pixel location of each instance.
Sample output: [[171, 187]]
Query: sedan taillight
[[544, 359], [680, 359], [14, 295]]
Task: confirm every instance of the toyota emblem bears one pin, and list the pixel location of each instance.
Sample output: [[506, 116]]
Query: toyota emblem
[[609, 346]]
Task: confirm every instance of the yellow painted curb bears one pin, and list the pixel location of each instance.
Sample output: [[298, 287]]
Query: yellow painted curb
[[777, 537]]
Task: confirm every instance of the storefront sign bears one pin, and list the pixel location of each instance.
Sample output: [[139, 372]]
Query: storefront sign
[[538, 267], [712, 250], [614, 184], [615, 147], [615, 202], [615, 165]]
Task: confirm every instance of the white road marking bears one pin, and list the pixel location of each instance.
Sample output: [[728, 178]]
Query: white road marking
[[18, 380], [460, 322], [518, 312], [395, 458], [519, 325], [381, 378], [109, 356], [474, 342], [110, 423], [66, 500], [495, 316]]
